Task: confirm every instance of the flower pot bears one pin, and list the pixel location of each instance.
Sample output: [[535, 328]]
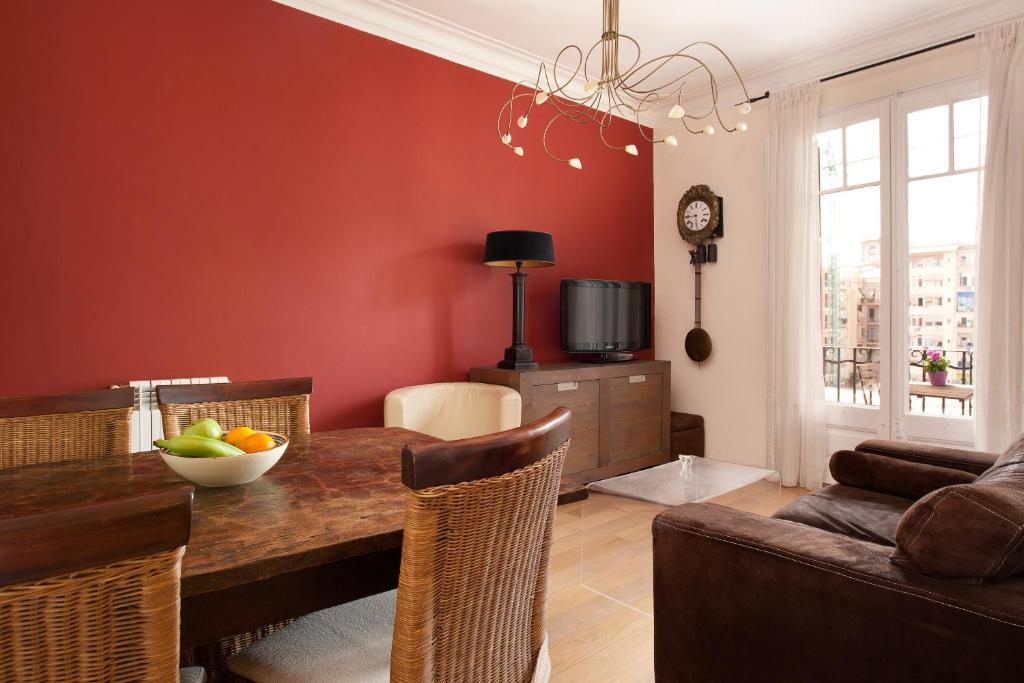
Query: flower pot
[[938, 379]]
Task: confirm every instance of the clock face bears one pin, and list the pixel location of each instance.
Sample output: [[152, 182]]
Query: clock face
[[697, 215]]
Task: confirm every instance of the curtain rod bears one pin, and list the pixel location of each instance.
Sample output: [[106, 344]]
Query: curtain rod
[[954, 41]]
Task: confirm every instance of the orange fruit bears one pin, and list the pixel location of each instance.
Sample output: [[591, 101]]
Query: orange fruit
[[235, 436], [256, 442]]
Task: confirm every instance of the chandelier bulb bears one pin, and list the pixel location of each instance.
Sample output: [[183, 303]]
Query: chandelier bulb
[[518, 151], [541, 97], [591, 86], [631, 149], [744, 107], [506, 138], [676, 112], [576, 163], [670, 140], [709, 130], [742, 126], [522, 121]]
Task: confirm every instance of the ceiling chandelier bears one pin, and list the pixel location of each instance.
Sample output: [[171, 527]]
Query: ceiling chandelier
[[616, 93]]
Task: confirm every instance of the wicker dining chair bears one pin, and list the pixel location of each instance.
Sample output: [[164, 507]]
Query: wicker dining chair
[[90, 589], [42, 429], [277, 405], [470, 603]]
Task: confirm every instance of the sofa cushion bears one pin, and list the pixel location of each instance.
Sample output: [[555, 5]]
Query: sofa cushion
[[969, 532], [896, 477], [1014, 455], [854, 512]]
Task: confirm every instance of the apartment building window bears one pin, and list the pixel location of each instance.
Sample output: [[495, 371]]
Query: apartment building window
[[899, 200]]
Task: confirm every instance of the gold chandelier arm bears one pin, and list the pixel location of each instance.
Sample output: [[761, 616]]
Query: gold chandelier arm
[[640, 88], [586, 60], [690, 130], [665, 60], [669, 95], [573, 109], [544, 138], [682, 52], [509, 104], [617, 76], [561, 88], [735, 71]]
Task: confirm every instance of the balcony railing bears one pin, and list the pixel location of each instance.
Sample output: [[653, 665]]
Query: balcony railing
[[856, 369]]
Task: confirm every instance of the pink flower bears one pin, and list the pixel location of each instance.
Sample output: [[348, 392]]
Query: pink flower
[[934, 355]]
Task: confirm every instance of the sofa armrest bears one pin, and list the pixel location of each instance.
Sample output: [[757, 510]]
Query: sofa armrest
[[743, 597], [891, 475], [974, 462]]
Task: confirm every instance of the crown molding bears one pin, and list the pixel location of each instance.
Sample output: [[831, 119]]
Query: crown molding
[[414, 28], [429, 33], [899, 38], [422, 31]]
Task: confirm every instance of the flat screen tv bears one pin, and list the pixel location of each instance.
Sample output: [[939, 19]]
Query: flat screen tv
[[601, 319]]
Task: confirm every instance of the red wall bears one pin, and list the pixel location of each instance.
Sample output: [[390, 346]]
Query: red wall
[[234, 187]]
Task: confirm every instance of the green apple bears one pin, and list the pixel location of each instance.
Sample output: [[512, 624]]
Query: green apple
[[207, 427]]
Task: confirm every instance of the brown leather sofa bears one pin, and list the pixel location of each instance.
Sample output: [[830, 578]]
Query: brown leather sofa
[[911, 568]]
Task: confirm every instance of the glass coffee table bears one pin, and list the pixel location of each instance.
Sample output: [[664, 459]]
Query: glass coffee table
[[616, 555]]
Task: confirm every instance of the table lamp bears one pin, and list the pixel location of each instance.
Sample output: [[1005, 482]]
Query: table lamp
[[519, 249]]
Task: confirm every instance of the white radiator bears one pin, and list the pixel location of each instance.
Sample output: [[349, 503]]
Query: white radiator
[[146, 424]]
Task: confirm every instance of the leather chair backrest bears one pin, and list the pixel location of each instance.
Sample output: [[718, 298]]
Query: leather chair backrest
[[969, 532]]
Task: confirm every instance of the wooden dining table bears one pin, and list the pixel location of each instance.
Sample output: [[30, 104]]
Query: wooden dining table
[[321, 528]]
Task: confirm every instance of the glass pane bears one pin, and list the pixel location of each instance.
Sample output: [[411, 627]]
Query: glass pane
[[862, 153], [943, 220], [830, 159], [943, 210], [970, 123], [851, 295], [928, 141]]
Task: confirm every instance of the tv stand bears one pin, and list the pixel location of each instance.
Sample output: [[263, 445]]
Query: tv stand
[[620, 412], [603, 357]]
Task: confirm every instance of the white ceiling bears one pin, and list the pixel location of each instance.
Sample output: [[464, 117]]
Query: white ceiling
[[757, 34]]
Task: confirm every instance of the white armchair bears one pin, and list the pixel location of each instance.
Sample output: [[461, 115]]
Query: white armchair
[[454, 410]]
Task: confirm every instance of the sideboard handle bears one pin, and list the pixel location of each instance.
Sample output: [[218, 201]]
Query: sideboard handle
[[636, 379], [568, 386]]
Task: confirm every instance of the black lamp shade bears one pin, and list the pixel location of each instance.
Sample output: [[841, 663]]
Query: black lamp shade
[[527, 248]]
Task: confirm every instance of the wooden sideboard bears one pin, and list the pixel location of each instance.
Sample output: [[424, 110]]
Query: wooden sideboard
[[620, 412]]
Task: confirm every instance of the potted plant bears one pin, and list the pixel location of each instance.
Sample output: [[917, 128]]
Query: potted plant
[[935, 364]]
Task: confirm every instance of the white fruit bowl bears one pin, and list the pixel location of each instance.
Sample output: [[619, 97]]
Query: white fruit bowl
[[230, 470]]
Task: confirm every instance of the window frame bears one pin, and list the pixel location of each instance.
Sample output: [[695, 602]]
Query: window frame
[[857, 416], [907, 425]]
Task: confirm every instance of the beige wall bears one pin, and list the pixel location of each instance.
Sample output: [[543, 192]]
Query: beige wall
[[731, 389]]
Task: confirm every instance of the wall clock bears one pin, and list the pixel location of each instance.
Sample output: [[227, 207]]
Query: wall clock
[[698, 214], [699, 219]]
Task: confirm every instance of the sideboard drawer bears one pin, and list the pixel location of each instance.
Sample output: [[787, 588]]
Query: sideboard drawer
[[582, 398], [634, 418]]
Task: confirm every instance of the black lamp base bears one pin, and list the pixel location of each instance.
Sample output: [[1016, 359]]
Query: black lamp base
[[518, 357]]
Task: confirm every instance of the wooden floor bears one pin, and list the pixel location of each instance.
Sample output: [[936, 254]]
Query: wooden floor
[[599, 605]]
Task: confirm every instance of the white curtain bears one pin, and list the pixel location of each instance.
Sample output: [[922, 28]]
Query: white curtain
[[999, 361], [796, 385]]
